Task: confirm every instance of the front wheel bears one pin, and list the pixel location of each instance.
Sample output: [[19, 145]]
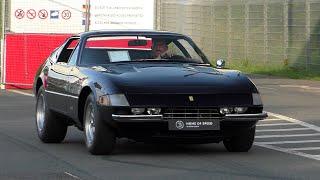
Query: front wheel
[[99, 137], [50, 129], [240, 142]]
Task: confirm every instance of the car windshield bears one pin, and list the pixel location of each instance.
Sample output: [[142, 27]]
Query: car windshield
[[104, 50]]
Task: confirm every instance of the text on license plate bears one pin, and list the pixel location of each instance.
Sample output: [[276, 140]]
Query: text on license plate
[[194, 124]]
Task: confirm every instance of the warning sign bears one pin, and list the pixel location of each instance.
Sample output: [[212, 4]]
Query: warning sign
[[19, 13], [43, 14], [66, 14], [31, 13], [125, 14], [47, 16]]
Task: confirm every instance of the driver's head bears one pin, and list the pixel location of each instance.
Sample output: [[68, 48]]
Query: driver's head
[[159, 47]]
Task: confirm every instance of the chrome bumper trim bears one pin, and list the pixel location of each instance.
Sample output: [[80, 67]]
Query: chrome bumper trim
[[132, 118], [246, 117], [159, 118]]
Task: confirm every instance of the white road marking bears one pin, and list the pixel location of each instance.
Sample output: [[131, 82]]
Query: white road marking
[[262, 87], [288, 135], [310, 156], [304, 149], [22, 93], [311, 126], [287, 142], [69, 174], [301, 86], [301, 144], [271, 119], [280, 130], [277, 124]]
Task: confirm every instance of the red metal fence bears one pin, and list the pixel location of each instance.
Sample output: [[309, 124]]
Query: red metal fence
[[25, 53]]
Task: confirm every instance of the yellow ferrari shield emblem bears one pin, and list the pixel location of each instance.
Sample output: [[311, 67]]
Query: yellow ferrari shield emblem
[[191, 99]]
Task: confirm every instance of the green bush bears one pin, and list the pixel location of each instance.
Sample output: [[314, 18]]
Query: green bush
[[284, 70]]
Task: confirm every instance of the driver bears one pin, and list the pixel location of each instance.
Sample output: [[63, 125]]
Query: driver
[[160, 49]]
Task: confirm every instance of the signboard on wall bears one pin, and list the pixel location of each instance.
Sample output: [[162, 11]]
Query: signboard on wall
[[122, 14], [46, 16]]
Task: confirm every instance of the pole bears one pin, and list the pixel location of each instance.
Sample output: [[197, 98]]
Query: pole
[[229, 55], [265, 27], [246, 32], [87, 25], [2, 44], [286, 31], [308, 35]]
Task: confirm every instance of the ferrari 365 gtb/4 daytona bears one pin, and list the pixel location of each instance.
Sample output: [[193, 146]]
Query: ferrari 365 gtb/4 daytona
[[148, 86]]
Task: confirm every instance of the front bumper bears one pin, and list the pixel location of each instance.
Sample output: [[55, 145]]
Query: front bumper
[[156, 128], [159, 118]]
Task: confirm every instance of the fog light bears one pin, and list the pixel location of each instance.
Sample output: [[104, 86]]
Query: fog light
[[240, 110], [137, 110], [154, 111], [226, 110]]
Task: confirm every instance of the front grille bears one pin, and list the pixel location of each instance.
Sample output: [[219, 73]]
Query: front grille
[[190, 113], [182, 100]]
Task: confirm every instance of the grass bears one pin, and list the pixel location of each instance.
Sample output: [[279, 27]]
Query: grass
[[275, 70]]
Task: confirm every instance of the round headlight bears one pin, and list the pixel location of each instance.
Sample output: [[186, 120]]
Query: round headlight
[[226, 110], [240, 110], [137, 110], [154, 111]]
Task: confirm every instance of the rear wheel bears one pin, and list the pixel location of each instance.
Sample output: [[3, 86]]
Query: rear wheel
[[99, 137], [241, 142], [50, 129]]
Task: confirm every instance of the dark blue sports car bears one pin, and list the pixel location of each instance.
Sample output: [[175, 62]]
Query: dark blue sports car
[[148, 86]]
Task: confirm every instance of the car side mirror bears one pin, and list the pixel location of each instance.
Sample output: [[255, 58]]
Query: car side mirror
[[220, 63]]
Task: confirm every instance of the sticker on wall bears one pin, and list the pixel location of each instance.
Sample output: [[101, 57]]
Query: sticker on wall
[[31, 14], [54, 14], [66, 14], [43, 14], [19, 13]]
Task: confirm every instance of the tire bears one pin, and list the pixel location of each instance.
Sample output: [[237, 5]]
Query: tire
[[242, 142], [50, 129], [100, 139]]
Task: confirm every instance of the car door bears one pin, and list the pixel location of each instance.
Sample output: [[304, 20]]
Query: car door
[[74, 86], [57, 79]]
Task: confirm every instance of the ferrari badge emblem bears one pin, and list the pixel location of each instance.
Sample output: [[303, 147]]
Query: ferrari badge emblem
[[191, 99]]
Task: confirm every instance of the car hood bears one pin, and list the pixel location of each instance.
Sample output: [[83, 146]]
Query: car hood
[[175, 78]]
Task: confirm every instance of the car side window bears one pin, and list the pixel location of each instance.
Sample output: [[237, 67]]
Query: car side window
[[67, 50], [186, 45], [74, 57], [174, 50]]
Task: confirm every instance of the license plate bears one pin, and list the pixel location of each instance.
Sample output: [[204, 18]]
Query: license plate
[[196, 125]]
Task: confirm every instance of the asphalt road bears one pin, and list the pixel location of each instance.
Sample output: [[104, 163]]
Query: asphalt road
[[277, 153]]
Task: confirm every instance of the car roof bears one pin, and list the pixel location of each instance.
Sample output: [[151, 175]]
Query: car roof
[[116, 32]]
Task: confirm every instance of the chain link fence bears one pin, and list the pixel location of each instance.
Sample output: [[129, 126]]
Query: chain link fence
[[278, 32]]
